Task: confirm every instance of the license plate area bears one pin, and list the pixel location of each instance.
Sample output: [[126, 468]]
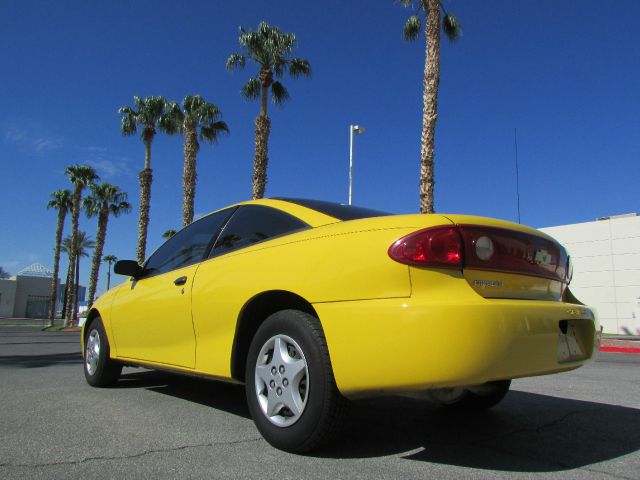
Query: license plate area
[[572, 340]]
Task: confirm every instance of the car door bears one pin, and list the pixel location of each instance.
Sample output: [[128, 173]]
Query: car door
[[151, 316], [225, 282]]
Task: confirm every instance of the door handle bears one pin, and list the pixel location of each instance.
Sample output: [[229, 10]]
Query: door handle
[[180, 281]]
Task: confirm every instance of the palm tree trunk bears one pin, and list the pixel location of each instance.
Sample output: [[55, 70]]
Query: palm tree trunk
[[189, 176], [146, 178], [430, 84], [261, 159], [75, 216], [62, 213], [109, 276], [76, 287], [263, 126], [103, 219], [67, 294]]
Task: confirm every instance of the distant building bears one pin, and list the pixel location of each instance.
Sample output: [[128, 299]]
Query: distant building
[[606, 265], [27, 293]]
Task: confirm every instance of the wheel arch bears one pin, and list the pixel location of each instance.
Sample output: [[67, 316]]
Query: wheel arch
[[253, 314], [93, 314]]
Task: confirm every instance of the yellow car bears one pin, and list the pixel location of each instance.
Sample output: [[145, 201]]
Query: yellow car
[[309, 303]]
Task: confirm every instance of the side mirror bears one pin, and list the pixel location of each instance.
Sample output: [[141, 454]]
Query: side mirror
[[130, 268]]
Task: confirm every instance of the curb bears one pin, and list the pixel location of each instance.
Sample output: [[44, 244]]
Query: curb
[[71, 329], [620, 346]]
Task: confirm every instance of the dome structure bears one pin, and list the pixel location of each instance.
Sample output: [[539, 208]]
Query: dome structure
[[36, 270]]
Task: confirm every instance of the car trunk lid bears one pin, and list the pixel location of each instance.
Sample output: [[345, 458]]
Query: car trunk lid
[[507, 260]]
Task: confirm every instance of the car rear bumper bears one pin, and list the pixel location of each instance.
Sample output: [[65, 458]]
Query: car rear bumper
[[411, 345]]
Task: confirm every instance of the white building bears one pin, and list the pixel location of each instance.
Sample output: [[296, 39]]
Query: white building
[[606, 263]]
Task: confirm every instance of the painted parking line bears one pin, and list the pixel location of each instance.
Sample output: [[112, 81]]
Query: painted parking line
[[620, 349]]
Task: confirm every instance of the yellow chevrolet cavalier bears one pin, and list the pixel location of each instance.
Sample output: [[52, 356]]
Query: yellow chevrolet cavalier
[[309, 303]]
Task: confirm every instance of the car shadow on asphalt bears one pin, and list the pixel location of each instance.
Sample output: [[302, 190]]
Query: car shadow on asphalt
[[219, 395], [39, 361], [527, 432]]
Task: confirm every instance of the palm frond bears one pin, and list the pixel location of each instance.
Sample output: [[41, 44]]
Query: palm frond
[[91, 206], [280, 94], [412, 28], [79, 246], [280, 67], [122, 206], [209, 133], [60, 200], [171, 119], [207, 112], [251, 89], [451, 27], [128, 123], [234, 61], [106, 196], [81, 175], [271, 49], [299, 66]]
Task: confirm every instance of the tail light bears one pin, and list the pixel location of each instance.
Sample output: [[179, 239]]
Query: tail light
[[484, 248], [439, 247], [569, 275]]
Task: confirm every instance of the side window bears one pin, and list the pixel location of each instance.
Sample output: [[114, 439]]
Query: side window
[[190, 245], [252, 224]]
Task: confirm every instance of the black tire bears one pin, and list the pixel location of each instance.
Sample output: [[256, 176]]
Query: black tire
[[480, 397], [99, 369], [314, 386]]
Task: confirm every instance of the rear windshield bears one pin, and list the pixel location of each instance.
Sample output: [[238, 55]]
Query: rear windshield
[[336, 210]]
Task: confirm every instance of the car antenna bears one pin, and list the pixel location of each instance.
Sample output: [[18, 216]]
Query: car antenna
[[515, 139]]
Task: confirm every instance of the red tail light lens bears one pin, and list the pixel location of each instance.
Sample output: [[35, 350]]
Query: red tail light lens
[[484, 248], [514, 252], [439, 247]]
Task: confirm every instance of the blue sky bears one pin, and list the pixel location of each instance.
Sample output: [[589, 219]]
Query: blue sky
[[564, 73]]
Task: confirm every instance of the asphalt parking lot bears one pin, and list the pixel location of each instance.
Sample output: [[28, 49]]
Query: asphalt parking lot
[[578, 425]]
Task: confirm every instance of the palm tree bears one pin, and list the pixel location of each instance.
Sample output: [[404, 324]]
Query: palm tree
[[150, 114], [75, 249], [412, 28], [105, 200], [271, 50], [61, 201], [4, 274], [67, 289], [81, 176], [109, 259], [197, 118], [168, 234]]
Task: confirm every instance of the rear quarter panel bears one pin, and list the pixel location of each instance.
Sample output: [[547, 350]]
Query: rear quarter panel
[[346, 261]]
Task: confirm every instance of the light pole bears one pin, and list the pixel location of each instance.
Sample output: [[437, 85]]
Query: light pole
[[352, 129]]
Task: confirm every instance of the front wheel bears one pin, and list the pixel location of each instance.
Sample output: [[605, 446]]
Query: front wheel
[[99, 369], [291, 391], [477, 397]]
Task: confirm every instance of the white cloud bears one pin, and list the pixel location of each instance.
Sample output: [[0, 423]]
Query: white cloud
[[32, 139], [46, 144], [15, 134], [108, 168]]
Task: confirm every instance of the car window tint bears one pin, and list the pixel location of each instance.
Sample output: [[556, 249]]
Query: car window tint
[[190, 245], [336, 210], [252, 224]]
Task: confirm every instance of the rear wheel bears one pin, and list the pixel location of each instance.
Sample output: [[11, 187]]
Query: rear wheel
[[99, 369], [477, 397], [290, 387]]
